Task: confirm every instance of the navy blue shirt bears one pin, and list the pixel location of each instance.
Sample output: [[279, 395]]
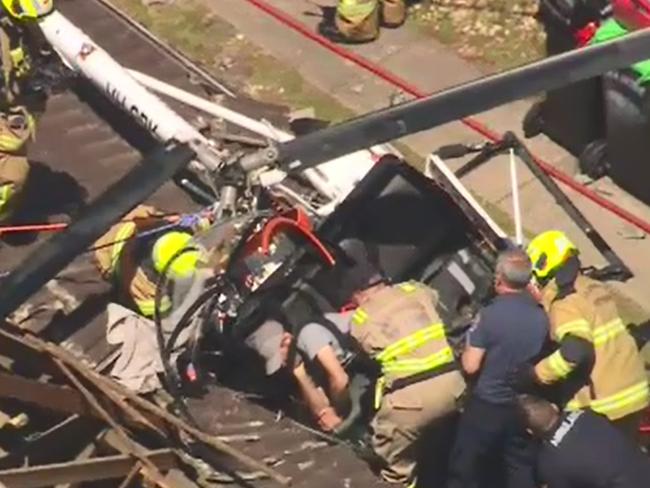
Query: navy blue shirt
[[586, 450], [513, 330]]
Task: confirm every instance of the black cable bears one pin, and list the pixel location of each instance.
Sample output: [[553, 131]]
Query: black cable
[[198, 303], [168, 374], [165, 348]]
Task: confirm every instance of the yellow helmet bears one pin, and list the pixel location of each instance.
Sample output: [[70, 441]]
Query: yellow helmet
[[548, 251], [28, 9], [168, 247]]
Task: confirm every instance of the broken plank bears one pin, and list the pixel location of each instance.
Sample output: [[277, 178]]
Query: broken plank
[[51, 397], [108, 467]]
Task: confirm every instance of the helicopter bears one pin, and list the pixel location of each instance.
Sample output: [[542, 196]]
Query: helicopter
[[248, 202]]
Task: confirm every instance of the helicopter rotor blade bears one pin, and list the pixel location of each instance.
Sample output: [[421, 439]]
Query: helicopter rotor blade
[[457, 102]]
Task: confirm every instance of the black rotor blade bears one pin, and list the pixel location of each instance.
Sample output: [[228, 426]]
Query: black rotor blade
[[56, 253], [460, 101]]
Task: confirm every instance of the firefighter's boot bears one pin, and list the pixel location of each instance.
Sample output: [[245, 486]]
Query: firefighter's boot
[[357, 21], [393, 13]]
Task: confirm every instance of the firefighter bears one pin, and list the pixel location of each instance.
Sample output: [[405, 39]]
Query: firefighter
[[17, 125], [418, 386], [359, 20], [134, 252], [597, 362]]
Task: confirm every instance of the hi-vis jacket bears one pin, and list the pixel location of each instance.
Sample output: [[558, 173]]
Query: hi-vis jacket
[[356, 10], [14, 54], [618, 385], [124, 259], [16, 129], [401, 329]]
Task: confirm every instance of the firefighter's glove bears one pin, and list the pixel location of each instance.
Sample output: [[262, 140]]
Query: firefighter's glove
[[195, 222]]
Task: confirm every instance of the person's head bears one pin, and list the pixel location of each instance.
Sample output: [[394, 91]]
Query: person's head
[[513, 271], [549, 252], [366, 293], [272, 343], [172, 253], [364, 276], [538, 415]]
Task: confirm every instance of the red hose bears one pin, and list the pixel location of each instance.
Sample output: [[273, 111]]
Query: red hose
[[33, 228], [473, 124], [283, 223]]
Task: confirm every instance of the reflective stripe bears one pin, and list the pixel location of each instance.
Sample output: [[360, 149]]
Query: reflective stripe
[[356, 9], [419, 365], [622, 398], [124, 232], [407, 287], [391, 365], [147, 307], [609, 331], [560, 366], [412, 342], [6, 192], [411, 367], [599, 335], [11, 143], [360, 316], [579, 325], [19, 61], [379, 391], [29, 8], [638, 393]]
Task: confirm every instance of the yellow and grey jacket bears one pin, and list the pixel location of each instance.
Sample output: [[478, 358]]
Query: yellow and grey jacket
[[400, 328], [618, 385], [124, 260]]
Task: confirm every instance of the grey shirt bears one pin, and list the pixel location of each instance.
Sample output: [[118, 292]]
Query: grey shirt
[[312, 338]]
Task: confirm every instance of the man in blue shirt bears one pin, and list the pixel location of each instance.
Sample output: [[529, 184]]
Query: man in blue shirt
[[582, 449], [491, 448]]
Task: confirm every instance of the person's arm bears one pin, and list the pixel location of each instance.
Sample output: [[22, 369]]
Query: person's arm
[[576, 346], [573, 352], [477, 343], [337, 378], [472, 359], [316, 400], [317, 343]]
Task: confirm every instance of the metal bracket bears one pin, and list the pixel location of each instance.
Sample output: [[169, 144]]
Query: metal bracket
[[617, 269], [264, 157]]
